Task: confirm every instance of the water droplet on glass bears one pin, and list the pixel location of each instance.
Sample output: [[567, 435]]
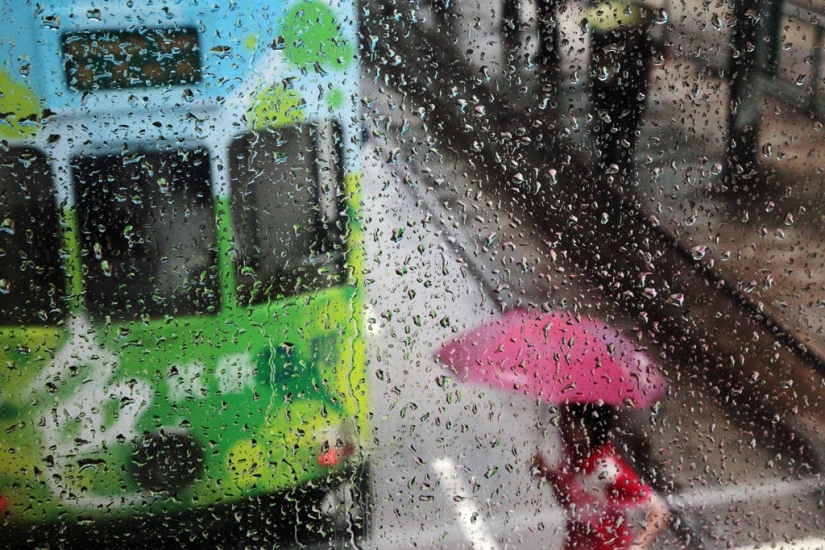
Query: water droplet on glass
[[279, 43], [222, 52], [7, 226], [698, 252], [51, 22]]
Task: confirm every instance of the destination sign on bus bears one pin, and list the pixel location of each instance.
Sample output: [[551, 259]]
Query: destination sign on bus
[[117, 59]]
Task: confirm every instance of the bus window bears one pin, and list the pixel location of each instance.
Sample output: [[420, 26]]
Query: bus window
[[147, 233], [31, 282], [287, 204]]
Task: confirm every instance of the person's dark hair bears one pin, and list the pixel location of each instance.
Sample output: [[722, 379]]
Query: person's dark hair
[[599, 420]]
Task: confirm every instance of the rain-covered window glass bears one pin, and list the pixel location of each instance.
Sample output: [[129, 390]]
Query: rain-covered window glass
[[398, 274], [287, 205], [147, 233], [32, 284]]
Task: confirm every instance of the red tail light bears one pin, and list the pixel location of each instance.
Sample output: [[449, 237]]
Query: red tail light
[[332, 455]]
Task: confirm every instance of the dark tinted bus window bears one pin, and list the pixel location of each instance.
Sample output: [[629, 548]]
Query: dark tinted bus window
[[287, 207], [147, 233], [31, 282]]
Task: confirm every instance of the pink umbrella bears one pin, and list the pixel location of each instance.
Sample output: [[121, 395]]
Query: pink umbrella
[[556, 358]]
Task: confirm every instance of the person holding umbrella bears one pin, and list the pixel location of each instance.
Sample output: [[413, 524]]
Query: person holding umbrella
[[598, 489], [589, 370]]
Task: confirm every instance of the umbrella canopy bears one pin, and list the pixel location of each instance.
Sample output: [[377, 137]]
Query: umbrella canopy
[[556, 358]]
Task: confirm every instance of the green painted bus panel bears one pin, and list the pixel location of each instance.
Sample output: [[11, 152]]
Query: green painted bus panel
[[312, 35], [21, 108], [259, 390]]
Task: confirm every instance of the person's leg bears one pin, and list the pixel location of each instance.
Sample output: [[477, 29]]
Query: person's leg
[[632, 98], [603, 99], [619, 65]]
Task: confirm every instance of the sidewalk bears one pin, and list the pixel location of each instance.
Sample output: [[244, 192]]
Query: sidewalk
[[764, 241]]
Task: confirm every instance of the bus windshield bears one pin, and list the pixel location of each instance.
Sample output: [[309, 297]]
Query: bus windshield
[[32, 286], [147, 233], [287, 205]]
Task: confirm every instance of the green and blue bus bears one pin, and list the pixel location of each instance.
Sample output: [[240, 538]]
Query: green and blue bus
[[181, 323]]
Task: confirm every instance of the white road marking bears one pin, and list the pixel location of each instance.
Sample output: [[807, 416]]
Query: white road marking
[[746, 492], [466, 510], [800, 544]]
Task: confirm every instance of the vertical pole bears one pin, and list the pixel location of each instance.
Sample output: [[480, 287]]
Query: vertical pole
[[817, 62], [773, 30], [511, 33], [549, 54], [748, 54]]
